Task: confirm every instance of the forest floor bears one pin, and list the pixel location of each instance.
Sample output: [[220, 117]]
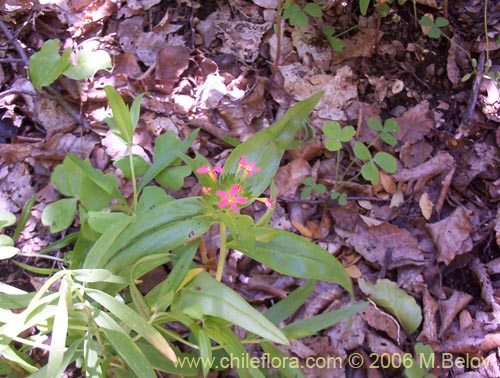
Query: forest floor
[[432, 227]]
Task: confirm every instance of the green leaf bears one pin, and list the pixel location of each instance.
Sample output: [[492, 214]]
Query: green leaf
[[55, 365], [388, 295], [336, 44], [267, 146], [67, 178], [121, 123], [168, 148], [347, 133], [220, 301], [59, 215], [286, 307], [107, 182], [173, 177], [374, 124], [426, 21], [47, 65], [6, 241], [7, 252], [6, 219], [313, 10], [88, 63], [25, 214], [151, 197], [134, 321], [385, 161], [391, 126], [441, 22], [333, 145], [127, 348], [295, 256], [363, 6], [101, 221], [232, 345], [135, 111], [332, 130], [369, 172], [361, 151], [388, 138], [310, 326], [287, 368], [140, 166]]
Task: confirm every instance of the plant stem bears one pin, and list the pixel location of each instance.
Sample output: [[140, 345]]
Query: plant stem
[[223, 252], [132, 174], [485, 21], [278, 35]]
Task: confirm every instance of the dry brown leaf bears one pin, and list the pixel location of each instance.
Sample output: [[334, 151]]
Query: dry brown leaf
[[304, 41], [450, 308], [304, 231], [387, 183], [381, 321], [481, 273], [451, 235], [361, 45], [412, 155], [451, 63], [426, 205], [289, 177], [429, 328], [415, 123], [385, 244]]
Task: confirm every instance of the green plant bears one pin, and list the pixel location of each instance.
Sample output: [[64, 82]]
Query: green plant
[[298, 15], [48, 64], [425, 360], [7, 219], [369, 165], [104, 323]]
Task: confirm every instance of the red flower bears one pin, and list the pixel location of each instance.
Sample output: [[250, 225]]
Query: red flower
[[206, 169], [248, 167], [231, 198]]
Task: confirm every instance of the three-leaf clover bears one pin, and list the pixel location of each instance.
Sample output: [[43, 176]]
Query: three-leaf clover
[[311, 186], [386, 130], [369, 169], [433, 28], [337, 135], [297, 16]]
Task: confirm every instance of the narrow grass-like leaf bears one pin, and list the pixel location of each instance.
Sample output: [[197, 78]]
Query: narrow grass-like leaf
[[233, 346], [286, 369], [55, 366], [126, 347], [186, 253], [100, 252], [286, 307], [25, 214], [121, 124], [310, 326], [220, 301], [134, 321]]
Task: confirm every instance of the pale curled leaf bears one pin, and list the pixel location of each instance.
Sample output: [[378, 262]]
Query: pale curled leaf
[[388, 295]]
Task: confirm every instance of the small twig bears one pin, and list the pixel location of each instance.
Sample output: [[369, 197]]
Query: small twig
[[471, 105], [315, 202]]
